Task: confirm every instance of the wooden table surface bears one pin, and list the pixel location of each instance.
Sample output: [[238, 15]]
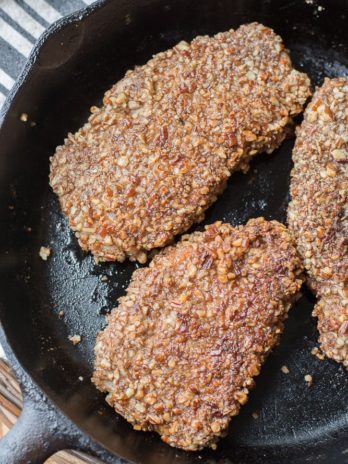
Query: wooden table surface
[[10, 409]]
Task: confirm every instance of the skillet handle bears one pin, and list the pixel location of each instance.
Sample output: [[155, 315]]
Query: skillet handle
[[42, 429], [32, 439]]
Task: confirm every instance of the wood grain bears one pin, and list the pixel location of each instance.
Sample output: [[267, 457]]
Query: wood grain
[[10, 409]]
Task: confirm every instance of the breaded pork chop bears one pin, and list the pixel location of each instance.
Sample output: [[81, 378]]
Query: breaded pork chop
[[318, 212], [181, 349], [150, 161]]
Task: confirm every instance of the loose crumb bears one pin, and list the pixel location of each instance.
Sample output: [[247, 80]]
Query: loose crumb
[[316, 352], [44, 252], [23, 117], [285, 369], [75, 339], [81, 378], [104, 278], [255, 415], [61, 313], [309, 379]]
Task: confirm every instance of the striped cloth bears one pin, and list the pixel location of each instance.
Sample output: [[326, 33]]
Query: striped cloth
[[21, 23]]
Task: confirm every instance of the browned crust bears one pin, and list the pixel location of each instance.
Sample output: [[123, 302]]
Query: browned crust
[[317, 214], [148, 163], [181, 349]]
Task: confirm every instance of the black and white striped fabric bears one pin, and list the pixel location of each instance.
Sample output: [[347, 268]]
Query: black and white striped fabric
[[21, 23]]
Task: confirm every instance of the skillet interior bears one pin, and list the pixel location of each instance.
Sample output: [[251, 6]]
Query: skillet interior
[[74, 67]]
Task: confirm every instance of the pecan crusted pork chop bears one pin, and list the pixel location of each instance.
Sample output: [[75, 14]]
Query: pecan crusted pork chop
[[150, 161], [318, 212], [180, 351]]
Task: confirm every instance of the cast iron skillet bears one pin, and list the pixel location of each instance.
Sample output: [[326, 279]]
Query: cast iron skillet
[[73, 64]]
